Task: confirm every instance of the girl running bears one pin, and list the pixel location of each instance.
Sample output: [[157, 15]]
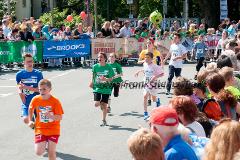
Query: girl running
[[117, 68], [101, 78]]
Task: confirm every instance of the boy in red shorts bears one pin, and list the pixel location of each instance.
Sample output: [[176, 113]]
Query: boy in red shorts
[[49, 114]]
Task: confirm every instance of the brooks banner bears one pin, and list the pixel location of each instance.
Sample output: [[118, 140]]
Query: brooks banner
[[13, 51], [67, 48]]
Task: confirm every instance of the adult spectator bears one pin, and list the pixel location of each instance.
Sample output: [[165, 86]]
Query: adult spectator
[[144, 145], [2, 37], [220, 45], [78, 31], [89, 32], [228, 22], [112, 23], [99, 35], [116, 29], [106, 30], [145, 22], [14, 36], [164, 122], [187, 113], [232, 29], [222, 26], [37, 35], [139, 27], [125, 31], [25, 35], [61, 31], [174, 27], [68, 33], [5, 27], [224, 141], [45, 33]]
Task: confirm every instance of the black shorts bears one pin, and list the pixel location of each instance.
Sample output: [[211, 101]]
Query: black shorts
[[101, 97]]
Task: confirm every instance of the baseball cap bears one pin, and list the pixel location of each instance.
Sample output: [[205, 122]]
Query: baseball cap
[[165, 116]]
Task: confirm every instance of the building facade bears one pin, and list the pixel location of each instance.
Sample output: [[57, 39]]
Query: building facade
[[33, 8]]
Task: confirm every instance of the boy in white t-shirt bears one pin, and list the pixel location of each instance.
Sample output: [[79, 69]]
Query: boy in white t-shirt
[[151, 73], [177, 52]]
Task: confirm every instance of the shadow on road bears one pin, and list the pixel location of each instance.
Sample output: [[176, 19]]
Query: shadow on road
[[115, 127], [65, 156], [132, 113]]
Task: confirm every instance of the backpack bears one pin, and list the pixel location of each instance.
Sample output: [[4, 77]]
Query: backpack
[[212, 109]]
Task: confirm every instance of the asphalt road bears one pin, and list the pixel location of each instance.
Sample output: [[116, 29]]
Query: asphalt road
[[81, 137]]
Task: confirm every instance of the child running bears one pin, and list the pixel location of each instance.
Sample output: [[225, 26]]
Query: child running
[[27, 81], [200, 48], [151, 73], [49, 114], [117, 68], [102, 76]]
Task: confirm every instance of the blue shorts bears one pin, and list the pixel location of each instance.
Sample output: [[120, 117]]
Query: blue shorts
[[25, 110]]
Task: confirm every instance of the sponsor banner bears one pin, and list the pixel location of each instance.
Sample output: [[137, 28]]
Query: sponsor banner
[[223, 9], [67, 48], [212, 41], [13, 51], [123, 47]]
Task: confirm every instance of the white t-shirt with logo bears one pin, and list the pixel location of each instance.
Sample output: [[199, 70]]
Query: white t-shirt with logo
[[177, 50]]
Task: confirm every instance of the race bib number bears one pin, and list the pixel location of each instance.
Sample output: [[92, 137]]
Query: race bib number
[[115, 71], [27, 92], [199, 50], [98, 79], [43, 117]]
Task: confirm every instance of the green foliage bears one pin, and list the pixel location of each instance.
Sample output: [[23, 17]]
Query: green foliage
[[4, 8], [147, 7], [56, 18]]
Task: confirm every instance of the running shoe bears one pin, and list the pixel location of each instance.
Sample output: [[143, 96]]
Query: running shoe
[[145, 115], [104, 123], [168, 92]]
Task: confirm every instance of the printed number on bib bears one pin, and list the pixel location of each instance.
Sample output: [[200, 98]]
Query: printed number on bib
[[44, 118]]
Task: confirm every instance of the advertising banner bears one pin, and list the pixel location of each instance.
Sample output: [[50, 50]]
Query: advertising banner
[[13, 51], [67, 48]]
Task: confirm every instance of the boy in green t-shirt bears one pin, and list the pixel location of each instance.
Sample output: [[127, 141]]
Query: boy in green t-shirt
[[117, 68], [101, 78]]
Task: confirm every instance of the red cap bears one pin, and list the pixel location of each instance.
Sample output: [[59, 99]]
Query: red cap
[[165, 116]]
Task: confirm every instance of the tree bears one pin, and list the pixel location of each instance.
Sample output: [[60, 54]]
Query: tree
[[4, 8]]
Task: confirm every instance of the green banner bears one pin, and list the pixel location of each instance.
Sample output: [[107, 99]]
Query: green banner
[[13, 51]]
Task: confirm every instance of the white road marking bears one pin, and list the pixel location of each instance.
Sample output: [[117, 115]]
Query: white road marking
[[3, 95], [6, 95], [8, 86], [60, 75]]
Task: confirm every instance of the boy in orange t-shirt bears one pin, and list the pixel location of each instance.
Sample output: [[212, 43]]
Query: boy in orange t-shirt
[[49, 114]]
